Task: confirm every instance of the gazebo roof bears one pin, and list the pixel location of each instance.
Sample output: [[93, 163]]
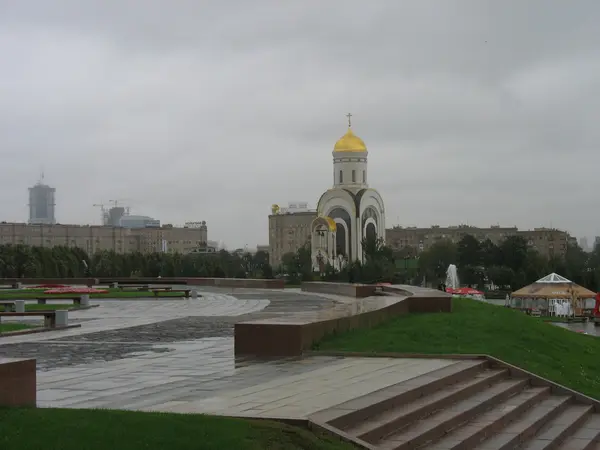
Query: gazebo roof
[[553, 286], [553, 278]]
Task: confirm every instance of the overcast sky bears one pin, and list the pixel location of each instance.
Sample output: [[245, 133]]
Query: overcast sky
[[478, 112]]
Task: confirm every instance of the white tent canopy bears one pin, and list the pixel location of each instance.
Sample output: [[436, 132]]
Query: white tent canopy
[[553, 278]]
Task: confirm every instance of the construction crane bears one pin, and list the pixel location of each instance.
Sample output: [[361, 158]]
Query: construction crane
[[103, 212]]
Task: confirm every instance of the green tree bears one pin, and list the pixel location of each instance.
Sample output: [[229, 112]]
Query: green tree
[[434, 262], [468, 252], [298, 265], [471, 276], [378, 263], [501, 276], [514, 252], [491, 254]]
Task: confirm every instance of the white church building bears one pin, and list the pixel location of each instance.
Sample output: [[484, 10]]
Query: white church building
[[349, 211]]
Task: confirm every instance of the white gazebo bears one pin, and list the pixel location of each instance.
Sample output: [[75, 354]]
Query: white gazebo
[[554, 294]]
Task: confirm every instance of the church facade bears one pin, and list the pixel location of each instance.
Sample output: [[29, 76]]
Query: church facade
[[348, 212]]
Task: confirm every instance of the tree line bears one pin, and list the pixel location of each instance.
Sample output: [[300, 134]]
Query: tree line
[[21, 261], [485, 265], [508, 265]]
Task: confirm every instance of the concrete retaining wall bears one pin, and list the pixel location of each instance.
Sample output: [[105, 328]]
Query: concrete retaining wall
[[292, 336], [18, 382], [195, 281], [35, 281], [345, 289]]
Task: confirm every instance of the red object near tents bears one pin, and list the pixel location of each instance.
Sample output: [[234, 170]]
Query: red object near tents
[[464, 291], [597, 307], [70, 290]]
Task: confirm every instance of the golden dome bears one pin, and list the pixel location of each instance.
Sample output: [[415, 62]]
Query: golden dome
[[350, 143]]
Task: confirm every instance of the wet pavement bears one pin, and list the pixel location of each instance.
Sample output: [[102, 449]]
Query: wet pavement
[[119, 328], [177, 355], [588, 328]]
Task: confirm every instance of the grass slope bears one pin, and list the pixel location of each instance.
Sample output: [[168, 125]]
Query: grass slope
[[560, 355], [5, 327], [25, 294], [72, 429]]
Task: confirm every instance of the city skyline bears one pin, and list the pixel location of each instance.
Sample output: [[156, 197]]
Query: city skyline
[[292, 206], [472, 112]]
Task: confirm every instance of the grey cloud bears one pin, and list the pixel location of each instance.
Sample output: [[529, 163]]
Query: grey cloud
[[473, 111]]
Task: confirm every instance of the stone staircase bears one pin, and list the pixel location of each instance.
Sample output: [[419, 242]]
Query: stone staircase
[[468, 405]]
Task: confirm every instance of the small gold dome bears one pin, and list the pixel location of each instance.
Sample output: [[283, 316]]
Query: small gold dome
[[350, 143]]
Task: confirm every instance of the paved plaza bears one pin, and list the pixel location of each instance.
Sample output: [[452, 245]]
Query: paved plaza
[[177, 355]]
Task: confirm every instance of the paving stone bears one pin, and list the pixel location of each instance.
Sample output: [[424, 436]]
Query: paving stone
[[159, 354]]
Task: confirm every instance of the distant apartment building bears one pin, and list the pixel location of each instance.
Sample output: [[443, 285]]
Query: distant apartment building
[[289, 230], [93, 238], [548, 241], [41, 204]]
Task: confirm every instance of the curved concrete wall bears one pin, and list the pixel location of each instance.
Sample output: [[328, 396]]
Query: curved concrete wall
[[293, 335], [345, 289]]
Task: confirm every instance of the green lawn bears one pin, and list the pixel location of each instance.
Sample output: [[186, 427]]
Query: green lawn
[[24, 294], [4, 327], [72, 429], [565, 357]]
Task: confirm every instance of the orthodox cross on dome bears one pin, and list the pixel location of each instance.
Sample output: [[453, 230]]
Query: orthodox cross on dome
[[349, 116]]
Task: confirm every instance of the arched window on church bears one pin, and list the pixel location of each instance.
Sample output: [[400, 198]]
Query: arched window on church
[[341, 176], [364, 176], [354, 176]]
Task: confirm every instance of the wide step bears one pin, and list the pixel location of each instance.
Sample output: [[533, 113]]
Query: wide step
[[585, 437], [381, 425], [527, 425], [438, 424], [353, 413], [491, 421], [559, 428]]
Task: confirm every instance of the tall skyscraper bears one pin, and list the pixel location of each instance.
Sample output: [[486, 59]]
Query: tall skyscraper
[[583, 243], [41, 203]]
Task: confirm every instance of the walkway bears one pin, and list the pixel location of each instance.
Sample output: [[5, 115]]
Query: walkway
[[177, 355]]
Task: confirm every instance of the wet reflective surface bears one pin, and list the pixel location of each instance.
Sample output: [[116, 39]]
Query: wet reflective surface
[[588, 328], [177, 355]]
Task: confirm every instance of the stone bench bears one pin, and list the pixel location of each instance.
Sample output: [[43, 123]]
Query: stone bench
[[78, 300], [18, 382], [8, 306], [185, 292], [134, 287], [52, 319]]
